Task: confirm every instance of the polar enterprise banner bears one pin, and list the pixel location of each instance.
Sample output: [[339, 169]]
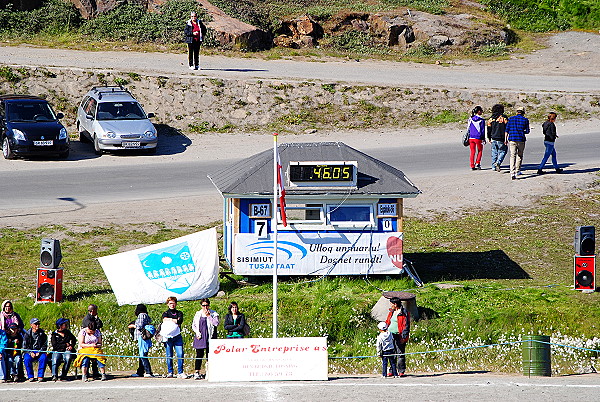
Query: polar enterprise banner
[[186, 267], [319, 254]]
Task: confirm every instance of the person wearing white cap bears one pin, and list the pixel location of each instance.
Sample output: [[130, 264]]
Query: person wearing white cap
[[386, 350], [516, 129]]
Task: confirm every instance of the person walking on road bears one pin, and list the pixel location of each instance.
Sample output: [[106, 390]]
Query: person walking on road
[[516, 129], [496, 127], [476, 137], [194, 31], [549, 130]]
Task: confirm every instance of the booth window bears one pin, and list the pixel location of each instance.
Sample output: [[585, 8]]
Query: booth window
[[305, 213], [350, 214]]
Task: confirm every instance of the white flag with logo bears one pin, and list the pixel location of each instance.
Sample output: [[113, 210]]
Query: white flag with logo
[[186, 267]]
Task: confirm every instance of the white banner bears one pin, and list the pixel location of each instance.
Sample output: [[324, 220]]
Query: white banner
[[186, 267], [319, 253], [267, 359]]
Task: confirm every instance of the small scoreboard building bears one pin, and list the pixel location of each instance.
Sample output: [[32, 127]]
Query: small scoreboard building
[[344, 212]]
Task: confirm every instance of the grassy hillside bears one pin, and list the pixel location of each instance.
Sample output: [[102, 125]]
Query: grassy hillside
[[513, 268], [58, 23]]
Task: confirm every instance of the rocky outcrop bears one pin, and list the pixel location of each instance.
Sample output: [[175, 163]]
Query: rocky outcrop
[[300, 32], [407, 28], [391, 31], [231, 32]]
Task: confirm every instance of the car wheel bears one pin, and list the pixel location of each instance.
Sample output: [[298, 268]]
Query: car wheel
[[82, 136], [97, 149], [6, 151]]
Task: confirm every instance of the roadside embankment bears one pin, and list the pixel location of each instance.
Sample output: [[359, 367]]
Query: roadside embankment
[[203, 104]]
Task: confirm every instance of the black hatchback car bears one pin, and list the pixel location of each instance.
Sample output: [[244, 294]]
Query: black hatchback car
[[29, 126]]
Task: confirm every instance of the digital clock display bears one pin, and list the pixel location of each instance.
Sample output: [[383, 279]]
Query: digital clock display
[[327, 172]]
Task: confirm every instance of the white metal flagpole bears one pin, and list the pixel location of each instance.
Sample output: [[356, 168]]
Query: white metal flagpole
[[274, 227]]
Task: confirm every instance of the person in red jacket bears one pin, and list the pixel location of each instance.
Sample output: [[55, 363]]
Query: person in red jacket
[[398, 321]]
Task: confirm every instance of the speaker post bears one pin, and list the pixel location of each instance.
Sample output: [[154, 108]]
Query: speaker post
[[584, 273], [49, 274]]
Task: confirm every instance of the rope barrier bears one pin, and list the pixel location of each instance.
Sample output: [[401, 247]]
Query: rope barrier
[[350, 357]]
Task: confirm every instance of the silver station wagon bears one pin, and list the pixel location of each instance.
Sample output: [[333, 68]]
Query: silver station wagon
[[112, 119]]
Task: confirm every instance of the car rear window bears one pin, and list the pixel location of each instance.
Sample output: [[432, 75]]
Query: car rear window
[[120, 111]]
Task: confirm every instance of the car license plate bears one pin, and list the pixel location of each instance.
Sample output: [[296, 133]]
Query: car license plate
[[131, 144], [43, 143]]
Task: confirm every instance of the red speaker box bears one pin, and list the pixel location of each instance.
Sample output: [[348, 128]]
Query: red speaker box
[[49, 285], [585, 272]]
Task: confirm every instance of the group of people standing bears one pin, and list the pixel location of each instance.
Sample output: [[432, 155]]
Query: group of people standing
[[204, 327], [21, 349], [506, 134]]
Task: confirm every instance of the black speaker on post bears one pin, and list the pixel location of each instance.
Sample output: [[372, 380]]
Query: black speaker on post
[[50, 255], [585, 240]]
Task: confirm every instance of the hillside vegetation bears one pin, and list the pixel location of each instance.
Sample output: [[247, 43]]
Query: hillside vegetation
[[58, 23]]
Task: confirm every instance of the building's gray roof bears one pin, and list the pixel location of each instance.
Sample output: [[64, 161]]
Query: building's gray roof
[[254, 175]]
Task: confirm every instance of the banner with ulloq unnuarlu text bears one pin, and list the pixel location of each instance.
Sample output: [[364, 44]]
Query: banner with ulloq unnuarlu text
[[334, 253]]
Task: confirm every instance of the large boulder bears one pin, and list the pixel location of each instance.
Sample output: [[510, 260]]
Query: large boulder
[[299, 32], [231, 32], [391, 31]]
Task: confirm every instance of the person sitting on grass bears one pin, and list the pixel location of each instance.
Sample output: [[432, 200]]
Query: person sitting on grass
[[90, 348], [63, 344], [35, 344]]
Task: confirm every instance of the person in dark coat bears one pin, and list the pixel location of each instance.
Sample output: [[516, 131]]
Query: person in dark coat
[[194, 31], [550, 136], [64, 346], [36, 344]]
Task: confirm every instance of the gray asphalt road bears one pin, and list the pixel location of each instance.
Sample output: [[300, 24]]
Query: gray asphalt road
[[367, 72], [87, 183], [434, 387]]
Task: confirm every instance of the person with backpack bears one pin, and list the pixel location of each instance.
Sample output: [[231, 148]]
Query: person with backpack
[[476, 129], [142, 334], [496, 128]]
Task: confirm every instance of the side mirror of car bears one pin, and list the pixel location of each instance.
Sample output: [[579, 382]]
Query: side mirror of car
[[59, 116], [89, 116], [150, 115]]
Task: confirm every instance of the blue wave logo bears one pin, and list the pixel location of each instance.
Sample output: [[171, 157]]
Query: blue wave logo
[[265, 247], [171, 267]]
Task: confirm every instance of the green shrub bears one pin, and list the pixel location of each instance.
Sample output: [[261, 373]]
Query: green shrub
[[496, 49], [132, 22], [9, 75]]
